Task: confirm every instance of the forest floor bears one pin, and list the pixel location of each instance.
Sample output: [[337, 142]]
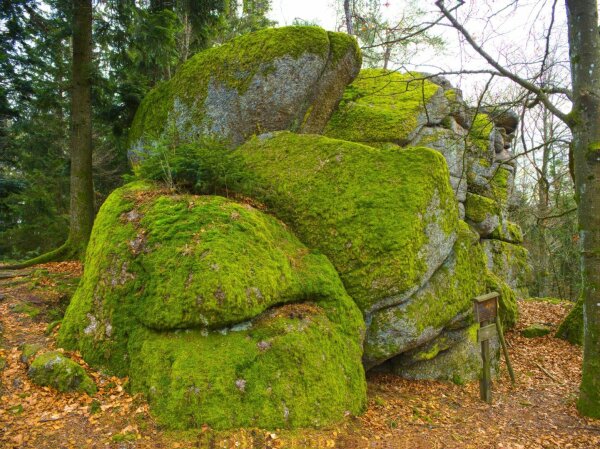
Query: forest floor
[[538, 412]]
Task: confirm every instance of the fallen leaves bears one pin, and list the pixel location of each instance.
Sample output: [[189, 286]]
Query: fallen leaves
[[538, 413]]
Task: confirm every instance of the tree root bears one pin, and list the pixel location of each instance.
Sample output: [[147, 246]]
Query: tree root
[[67, 251]]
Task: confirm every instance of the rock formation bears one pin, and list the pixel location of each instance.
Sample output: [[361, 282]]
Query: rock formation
[[374, 222]]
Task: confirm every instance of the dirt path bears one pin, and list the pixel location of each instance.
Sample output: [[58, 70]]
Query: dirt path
[[538, 413]]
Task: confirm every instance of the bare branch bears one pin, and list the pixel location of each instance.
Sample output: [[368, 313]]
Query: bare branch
[[539, 92]]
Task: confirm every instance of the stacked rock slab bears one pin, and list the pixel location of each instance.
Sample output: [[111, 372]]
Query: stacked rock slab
[[204, 301], [385, 109]]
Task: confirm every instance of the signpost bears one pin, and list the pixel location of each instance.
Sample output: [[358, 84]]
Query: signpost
[[486, 313]]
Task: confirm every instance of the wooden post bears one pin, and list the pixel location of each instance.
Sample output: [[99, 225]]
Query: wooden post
[[486, 311], [485, 383], [505, 350]]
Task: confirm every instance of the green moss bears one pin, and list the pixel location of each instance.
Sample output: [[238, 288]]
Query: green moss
[[369, 210], [508, 231], [339, 45], [233, 65], [536, 330], [28, 351], [450, 94], [500, 185], [479, 134], [479, 208], [53, 369], [294, 367], [184, 294], [507, 305], [27, 309], [571, 329], [381, 106]]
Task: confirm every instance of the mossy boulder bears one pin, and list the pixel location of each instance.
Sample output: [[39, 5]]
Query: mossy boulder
[[444, 301], [54, 369], [508, 231], [294, 366], [454, 356], [387, 218], [28, 352], [536, 330], [571, 329], [385, 106], [182, 293], [272, 79], [511, 263], [452, 145]]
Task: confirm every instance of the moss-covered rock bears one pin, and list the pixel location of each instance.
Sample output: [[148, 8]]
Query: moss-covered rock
[[386, 106], [386, 218], [445, 299], [508, 309], [508, 231], [28, 352], [179, 292], [511, 263], [53, 369], [454, 356], [483, 213], [273, 79], [293, 366], [571, 329], [536, 330]]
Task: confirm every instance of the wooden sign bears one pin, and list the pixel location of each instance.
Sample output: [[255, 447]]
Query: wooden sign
[[486, 332], [486, 307]]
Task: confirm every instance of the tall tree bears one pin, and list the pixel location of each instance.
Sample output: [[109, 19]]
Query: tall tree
[[82, 188], [584, 123]]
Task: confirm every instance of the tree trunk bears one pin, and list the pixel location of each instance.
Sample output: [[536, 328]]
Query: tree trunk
[[82, 190], [584, 49], [348, 13]]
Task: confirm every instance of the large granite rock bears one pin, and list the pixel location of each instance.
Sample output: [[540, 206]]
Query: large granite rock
[[445, 301], [274, 79], [386, 218], [205, 302]]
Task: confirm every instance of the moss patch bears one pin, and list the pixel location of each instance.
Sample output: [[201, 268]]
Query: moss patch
[[536, 330], [293, 367], [479, 135], [480, 208], [54, 370], [381, 106], [371, 211], [571, 329]]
